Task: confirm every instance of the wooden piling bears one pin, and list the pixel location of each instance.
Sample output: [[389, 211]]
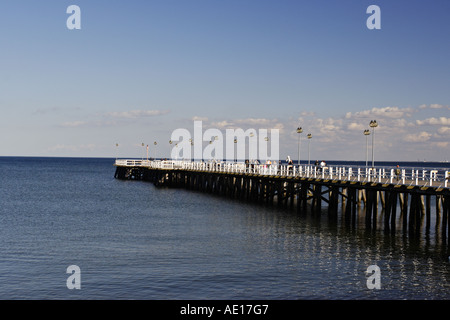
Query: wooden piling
[[445, 210], [369, 207], [428, 212]]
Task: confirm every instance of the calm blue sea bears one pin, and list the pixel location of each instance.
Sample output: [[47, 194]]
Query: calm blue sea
[[134, 241]]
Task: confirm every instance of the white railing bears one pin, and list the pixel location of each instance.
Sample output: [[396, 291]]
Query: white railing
[[418, 177]]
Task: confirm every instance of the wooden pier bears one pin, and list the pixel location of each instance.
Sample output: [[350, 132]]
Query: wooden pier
[[404, 198]]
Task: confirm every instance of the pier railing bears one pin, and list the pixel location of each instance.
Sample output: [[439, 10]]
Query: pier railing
[[418, 177]]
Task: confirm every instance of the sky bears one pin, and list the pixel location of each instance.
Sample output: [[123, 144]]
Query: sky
[[138, 70]]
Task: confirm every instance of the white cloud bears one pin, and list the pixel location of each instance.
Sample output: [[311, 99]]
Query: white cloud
[[386, 112], [326, 130], [77, 124], [421, 137], [137, 113], [441, 144], [278, 126], [112, 118], [443, 121], [74, 124], [433, 106], [255, 122], [222, 124], [73, 148], [196, 118], [444, 130], [248, 123], [400, 123], [356, 126], [396, 136], [55, 110]]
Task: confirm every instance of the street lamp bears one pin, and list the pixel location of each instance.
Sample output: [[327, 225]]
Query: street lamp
[[373, 124], [216, 138], [266, 139], [299, 131], [309, 136], [235, 155], [367, 133], [192, 148], [155, 143]]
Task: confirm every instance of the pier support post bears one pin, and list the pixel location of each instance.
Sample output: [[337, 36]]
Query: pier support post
[[393, 200], [414, 215], [428, 212], [369, 207], [317, 198], [404, 211], [333, 202], [349, 206], [445, 212], [387, 210]]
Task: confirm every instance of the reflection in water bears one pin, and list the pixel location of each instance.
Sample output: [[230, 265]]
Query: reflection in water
[[328, 259]]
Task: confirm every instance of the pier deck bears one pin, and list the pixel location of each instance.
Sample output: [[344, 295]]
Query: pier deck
[[435, 178]]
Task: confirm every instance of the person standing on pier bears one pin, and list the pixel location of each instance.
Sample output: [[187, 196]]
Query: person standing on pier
[[290, 164], [322, 166], [398, 172]]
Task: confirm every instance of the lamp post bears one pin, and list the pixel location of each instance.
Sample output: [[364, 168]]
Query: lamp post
[[192, 148], [266, 139], [373, 124], [367, 133], [299, 131], [155, 143], [215, 138], [309, 136], [250, 146], [235, 155], [170, 142]]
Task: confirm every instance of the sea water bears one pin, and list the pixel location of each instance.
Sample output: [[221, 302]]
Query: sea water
[[132, 240]]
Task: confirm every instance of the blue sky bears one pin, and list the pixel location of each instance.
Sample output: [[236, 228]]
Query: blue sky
[[138, 70]]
